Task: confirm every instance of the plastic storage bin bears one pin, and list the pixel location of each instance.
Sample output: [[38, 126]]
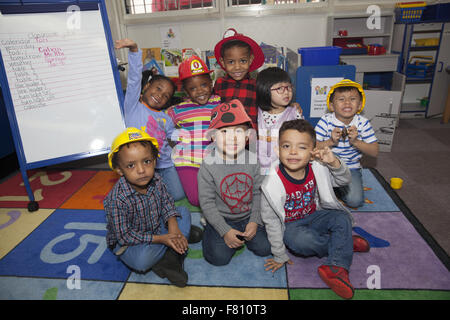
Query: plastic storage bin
[[409, 11], [320, 56], [420, 67]]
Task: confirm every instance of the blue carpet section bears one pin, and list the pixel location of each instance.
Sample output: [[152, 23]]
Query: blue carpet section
[[57, 289], [376, 197], [66, 238], [244, 265]]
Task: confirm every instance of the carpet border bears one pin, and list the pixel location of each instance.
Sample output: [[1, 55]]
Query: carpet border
[[432, 243]]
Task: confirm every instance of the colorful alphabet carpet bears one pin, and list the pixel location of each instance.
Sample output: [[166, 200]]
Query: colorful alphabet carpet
[[59, 252]]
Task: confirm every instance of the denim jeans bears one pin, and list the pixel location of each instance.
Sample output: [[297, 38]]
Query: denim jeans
[[216, 251], [352, 194], [323, 233], [172, 181], [143, 256]]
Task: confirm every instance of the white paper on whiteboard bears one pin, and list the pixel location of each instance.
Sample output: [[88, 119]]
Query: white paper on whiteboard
[[319, 91], [61, 83]]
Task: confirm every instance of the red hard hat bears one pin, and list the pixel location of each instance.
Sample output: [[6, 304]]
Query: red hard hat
[[191, 67], [257, 52]]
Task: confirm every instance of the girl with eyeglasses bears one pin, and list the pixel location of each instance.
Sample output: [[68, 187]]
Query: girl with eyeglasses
[[274, 95]]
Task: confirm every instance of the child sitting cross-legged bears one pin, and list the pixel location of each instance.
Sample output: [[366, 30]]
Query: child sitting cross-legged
[[144, 228], [301, 212]]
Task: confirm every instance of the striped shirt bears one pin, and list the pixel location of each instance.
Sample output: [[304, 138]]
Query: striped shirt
[[344, 149], [133, 218], [193, 120]]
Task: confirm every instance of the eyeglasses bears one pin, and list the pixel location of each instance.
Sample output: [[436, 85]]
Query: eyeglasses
[[282, 89]]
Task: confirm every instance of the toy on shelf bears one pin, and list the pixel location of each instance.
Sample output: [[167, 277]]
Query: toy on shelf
[[409, 11]]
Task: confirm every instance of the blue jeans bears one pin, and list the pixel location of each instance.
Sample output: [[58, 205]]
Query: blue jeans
[[216, 251], [172, 181], [143, 256], [323, 233], [352, 194]]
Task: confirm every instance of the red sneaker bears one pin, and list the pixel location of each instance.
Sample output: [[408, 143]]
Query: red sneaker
[[360, 244], [337, 279]]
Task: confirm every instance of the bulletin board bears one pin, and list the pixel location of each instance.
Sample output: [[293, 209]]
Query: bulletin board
[[60, 80]]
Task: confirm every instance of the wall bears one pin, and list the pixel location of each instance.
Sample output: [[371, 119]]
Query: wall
[[303, 28]]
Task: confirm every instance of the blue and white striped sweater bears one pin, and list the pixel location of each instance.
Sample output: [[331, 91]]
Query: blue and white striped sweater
[[344, 149]]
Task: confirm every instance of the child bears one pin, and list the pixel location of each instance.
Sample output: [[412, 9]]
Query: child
[[274, 95], [193, 116], [301, 212], [348, 134], [239, 55], [144, 229], [147, 113], [228, 182]]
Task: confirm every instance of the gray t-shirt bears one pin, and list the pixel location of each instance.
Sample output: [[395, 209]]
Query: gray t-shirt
[[230, 190]]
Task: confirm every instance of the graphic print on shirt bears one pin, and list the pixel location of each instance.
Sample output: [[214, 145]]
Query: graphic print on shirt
[[155, 128], [300, 203], [237, 192]]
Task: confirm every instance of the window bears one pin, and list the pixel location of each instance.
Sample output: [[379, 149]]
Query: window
[[237, 3], [149, 6]]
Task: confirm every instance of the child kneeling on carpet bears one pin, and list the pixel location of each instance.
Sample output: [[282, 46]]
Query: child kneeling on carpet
[[301, 211], [144, 229], [229, 183], [348, 134], [193, 117]]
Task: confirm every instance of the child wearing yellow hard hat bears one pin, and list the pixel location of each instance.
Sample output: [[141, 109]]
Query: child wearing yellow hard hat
[[144, 228], [348, 134]]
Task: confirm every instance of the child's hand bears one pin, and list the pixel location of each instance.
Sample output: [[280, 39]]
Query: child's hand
[[250, 230], [325, 155], [336, 134], [126, 43], [177, 242], [231, 240], [271, 264], [352, 134]]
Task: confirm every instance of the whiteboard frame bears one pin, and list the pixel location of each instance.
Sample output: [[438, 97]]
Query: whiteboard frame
[[44, 7]]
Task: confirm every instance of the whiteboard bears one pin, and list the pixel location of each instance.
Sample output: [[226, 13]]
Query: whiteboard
[[61, 83]]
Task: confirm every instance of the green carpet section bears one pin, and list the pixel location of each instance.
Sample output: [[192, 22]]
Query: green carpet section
[[366, 294], [185, 203]]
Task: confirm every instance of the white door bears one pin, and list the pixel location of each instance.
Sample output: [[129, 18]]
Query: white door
[[441, 79]]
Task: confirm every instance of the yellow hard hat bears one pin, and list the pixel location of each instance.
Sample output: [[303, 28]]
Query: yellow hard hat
[[129, 135], [347, 83]]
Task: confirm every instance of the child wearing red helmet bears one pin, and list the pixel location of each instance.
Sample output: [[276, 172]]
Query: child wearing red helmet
[[192, 117], [239, 55]]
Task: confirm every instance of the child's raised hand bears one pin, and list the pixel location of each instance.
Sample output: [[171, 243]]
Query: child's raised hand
[[271, 264], [126, 43], [325, 155], [231, 240]]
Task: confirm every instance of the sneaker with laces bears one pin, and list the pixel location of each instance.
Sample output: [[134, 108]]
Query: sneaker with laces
[[337, 279], [360, 244]]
